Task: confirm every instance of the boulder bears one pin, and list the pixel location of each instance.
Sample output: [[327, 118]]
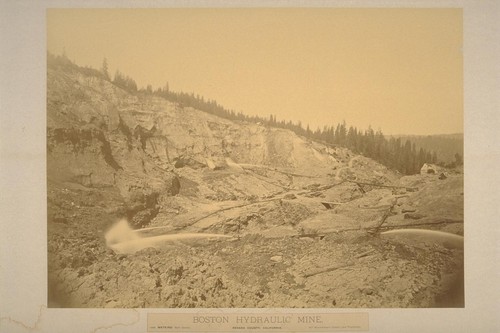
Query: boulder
[[142, 206], [210, 164], [277, 258], [172, 185]]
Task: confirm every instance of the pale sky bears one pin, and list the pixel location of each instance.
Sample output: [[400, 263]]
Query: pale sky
[[399, 70]]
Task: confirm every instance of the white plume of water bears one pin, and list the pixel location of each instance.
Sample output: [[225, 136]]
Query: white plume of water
[[120, 232], [446, 239], [121, 238]]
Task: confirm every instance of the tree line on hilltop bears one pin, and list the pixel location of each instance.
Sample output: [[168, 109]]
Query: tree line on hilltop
[[395, 153], [449, 147]]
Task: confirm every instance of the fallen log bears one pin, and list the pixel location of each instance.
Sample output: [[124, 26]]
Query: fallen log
[[364, 254], [386, 215], [233, 207], [267, 181], [381, 185], [420, 224], [320, 236], [328, 269], [330, 205], [253, 166], [375, 207], [361, 188]]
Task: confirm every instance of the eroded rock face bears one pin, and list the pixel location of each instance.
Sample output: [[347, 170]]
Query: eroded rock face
[[82, 156], [168, 170], [169, 135]]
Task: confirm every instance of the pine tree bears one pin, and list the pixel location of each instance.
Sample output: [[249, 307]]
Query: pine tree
[[104, 69], [434, 157]]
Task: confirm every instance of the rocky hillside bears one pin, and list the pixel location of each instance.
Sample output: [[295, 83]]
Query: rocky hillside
[[229, 214]]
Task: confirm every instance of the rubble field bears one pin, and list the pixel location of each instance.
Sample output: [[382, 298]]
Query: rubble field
[[155, 205]]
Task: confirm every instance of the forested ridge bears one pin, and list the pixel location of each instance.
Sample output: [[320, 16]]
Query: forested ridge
[[449, 147], [398, 153]]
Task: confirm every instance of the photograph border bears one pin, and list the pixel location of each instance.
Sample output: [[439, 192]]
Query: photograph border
[[23, 177]]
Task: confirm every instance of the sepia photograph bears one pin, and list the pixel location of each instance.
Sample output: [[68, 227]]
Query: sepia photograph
[[249, 165], [255, 158]]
